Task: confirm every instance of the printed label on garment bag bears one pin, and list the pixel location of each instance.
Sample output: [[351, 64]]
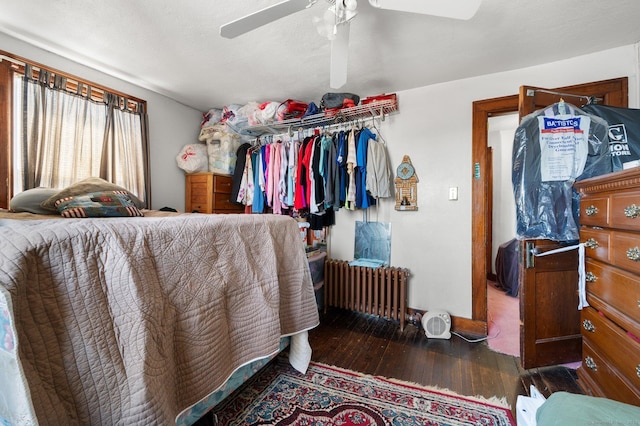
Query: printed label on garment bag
[[563, 146]]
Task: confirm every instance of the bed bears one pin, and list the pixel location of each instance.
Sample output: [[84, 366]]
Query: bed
[[507, 267], [144, 320]]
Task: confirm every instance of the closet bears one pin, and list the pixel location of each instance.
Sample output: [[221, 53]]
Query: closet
[[315, 165]]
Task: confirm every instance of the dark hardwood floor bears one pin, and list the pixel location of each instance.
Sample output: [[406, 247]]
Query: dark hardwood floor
[[374, 345]]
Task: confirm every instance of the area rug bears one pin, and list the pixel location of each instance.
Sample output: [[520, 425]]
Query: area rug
[[326, 395]]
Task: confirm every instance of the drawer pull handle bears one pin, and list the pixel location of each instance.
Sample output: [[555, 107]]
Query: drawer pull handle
[[591, 243], [591, 210], [632, 211], [633, 254], [590, 363], [638, 370], [588, 325], [590, 277]]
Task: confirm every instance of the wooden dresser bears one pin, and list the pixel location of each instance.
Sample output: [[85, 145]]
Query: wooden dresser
[[209, 193], [610, 327]]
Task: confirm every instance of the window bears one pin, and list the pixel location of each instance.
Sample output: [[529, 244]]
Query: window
[[64, 129]]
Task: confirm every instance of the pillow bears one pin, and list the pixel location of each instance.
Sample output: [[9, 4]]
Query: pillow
[[563, 408], [98, 204], [86, 186], [29, 201]]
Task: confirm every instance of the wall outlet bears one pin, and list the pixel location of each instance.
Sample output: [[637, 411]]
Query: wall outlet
[[453, 193]]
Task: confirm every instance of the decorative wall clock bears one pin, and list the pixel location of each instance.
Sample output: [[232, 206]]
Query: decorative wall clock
[[406, 186]]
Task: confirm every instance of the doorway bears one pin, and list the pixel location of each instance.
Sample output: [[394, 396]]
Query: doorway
[[610, 92], [502, 298]]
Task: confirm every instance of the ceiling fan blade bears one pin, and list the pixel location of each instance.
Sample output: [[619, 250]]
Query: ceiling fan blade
[[457, 9], [263, 17], [339, 57]]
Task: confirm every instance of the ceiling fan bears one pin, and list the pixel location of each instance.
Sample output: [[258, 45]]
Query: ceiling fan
[[335, 24]]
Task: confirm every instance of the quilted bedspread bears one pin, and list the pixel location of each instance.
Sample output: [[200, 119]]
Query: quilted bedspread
[[131, 320]]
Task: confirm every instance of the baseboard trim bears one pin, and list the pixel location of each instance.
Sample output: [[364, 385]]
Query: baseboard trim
[[469, 327]]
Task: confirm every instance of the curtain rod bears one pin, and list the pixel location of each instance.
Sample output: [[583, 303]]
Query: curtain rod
[[17, 60]]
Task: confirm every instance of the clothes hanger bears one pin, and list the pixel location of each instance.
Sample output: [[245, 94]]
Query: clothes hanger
[[373, 121]]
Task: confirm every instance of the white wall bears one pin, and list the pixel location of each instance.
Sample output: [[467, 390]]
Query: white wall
[[171, 124], [500, 137], [434, 126]]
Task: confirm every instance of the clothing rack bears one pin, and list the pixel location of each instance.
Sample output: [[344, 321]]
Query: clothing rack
[[345, 116]]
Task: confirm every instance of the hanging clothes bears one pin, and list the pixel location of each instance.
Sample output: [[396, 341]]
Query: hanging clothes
[[292, 173], [236, 180], [328, 169], [276, 158], [245, 191], [258, 205], [362, 198], [352, 161], [316, 204], [312, 173], [300, 200], [341, 164], [379, 176]]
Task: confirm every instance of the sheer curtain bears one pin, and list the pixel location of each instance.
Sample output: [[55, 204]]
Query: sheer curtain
[[63, 137]]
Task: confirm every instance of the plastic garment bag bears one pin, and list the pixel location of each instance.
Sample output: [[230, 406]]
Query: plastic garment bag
[[553, 148]]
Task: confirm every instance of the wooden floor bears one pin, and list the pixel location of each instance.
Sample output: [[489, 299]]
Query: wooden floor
[[374, 345]]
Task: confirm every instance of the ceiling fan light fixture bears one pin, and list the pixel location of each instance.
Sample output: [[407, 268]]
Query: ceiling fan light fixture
[[344, 10], [350, 4], [326, 25]]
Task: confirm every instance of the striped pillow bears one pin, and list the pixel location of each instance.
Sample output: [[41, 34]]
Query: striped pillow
[[98, 204]]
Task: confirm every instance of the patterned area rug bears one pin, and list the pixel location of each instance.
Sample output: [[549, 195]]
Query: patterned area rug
[[279, 395]]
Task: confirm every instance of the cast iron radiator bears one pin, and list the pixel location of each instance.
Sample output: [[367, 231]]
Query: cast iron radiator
[[378, 291]]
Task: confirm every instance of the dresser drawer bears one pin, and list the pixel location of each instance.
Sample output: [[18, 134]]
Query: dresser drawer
[[594, 211], [199, 208], [625, 210], [199, 191], [597, 243], [222, 204], [608, 380], [617, 288], [199, 178], [613, 344], [625, 250], [222, 184]]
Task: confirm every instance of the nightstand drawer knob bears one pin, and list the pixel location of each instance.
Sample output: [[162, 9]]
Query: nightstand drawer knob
[[638, 370], [588, 325], [632, 211], [591, 243], [591, 210], [633, 254], [590, 277], [590, 363]]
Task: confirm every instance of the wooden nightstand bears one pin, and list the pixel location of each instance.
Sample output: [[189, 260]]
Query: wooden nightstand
[[210, 193]]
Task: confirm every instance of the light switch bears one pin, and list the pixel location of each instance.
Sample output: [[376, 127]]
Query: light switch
[[453, 193]]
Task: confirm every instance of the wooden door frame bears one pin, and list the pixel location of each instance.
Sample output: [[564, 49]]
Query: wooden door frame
[[480, 220], [480, 189]]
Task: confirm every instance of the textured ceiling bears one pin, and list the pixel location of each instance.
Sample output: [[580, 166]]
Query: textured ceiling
[[173, 47]]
